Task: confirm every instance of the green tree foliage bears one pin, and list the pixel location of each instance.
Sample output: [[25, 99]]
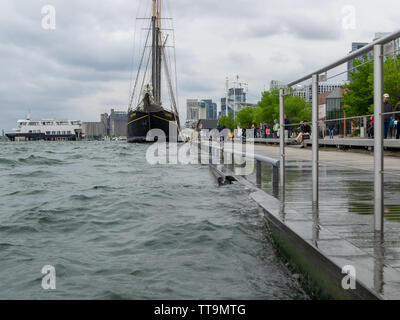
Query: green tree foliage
[[245, 117], [392, 79], [296, 108], [359, 94], [228, 122]]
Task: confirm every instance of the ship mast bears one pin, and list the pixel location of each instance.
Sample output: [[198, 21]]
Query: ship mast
[[156, 51]]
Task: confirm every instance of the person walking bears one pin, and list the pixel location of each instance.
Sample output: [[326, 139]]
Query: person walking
[[276, 129], [331, 130], [387, 107], [305, 133], [371, 128], [288, 129], [397, 117]]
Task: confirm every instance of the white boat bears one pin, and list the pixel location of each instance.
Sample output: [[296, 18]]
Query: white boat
[[46, 129]]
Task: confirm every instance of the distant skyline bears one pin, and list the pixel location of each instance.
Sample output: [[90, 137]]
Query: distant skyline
[[83, 67]]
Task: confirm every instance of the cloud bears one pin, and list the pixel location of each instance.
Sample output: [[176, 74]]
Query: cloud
[[84, 67]]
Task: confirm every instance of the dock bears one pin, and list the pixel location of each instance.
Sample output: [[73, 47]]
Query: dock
[[321, 244]]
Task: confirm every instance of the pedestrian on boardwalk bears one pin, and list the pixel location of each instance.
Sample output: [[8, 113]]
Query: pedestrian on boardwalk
[[397, 117], [331, 130], [288, 129], [276, 129], [305, 133], [387, 107], [371, 128], [268, 132]]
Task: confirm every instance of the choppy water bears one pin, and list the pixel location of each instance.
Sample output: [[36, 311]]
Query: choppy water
[[115, 227]]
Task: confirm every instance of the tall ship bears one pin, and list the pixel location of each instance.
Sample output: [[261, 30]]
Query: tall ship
[[146, 109], [46, 129]]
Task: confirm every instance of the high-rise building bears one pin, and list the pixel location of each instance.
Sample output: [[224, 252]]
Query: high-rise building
[[192, 113], [201, 109], [211, 110], [354, 47], [236, 101], [276, 85], [114, 125]]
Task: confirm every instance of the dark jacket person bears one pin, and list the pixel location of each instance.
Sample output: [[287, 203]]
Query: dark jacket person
[[387, 107]]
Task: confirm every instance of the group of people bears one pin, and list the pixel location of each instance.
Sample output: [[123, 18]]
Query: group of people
[[273, 131], [304, 131], [390, 120]]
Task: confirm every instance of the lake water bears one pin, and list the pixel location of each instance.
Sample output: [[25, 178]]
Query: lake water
[[115, 227]]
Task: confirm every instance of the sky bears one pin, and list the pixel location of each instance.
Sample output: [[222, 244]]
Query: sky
[[83, 66]]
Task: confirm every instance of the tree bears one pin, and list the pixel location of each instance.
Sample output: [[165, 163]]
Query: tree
[[296, 108], [359, 94], [245, 117], [392, 79], [228, 122]]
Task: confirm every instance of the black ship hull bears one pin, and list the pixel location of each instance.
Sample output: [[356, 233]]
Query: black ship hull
[[140, 123]]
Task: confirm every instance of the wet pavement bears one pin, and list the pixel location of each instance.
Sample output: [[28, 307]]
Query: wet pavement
[[342, 227]]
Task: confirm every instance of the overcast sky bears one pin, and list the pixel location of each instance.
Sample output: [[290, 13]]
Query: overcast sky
[[83, 67]]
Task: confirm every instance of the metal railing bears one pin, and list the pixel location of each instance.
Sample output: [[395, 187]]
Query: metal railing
[[378, 55], [227, 148]]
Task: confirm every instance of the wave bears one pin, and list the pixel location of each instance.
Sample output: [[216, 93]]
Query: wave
[[37, 160]]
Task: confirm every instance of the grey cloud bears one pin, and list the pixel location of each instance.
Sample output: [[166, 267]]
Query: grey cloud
[[84, 66]]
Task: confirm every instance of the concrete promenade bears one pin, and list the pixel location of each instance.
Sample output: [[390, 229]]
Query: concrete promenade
[[320, 242]]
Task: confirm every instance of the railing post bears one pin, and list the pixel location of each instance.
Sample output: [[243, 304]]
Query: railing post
[[210, 153], [259, 172], [199, 151], [275, 181], [222, 155], [378, 137], [282, 137], [233, 155], [315, 141]]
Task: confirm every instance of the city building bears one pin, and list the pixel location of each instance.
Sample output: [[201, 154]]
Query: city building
[[118, 123], [334, 110], [354, 47], [322, 112], [200, 109], [192, 110], [236, 101], [211, 109], [276, 85], [113, 125], [305, 92]]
